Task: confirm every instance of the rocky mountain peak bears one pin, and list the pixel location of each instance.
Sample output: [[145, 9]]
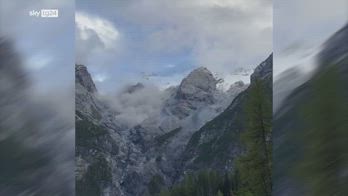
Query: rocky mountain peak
[[200, 85], [196, 90], [84, 78]]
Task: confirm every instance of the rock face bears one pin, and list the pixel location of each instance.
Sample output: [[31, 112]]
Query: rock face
[[141, 160], [196, 90], [97, 140], [83, 78], [288, 123]]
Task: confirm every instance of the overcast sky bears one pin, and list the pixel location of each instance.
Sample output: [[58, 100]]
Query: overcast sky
[[124, 41], [301, 27], [162, 40]]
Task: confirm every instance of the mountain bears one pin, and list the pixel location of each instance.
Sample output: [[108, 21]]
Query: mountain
[[114, 159], [292, 119], [161, 139], [133, 88], [196, 90], [97, 140], [217, 143]]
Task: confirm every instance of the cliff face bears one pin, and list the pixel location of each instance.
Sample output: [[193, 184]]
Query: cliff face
[[97, 140], [196, 90]]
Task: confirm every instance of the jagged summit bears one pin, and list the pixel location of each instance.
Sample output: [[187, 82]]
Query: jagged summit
[[199, 85], [196, 90], [217, 143], [84, 78]]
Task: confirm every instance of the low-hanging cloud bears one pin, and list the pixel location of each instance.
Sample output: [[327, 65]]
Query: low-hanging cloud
[[93, 35], [135, 103]]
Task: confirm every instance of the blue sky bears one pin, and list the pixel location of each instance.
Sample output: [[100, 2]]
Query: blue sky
[[160, 41]]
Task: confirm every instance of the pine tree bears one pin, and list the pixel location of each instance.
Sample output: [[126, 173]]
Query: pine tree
[[255, 165]]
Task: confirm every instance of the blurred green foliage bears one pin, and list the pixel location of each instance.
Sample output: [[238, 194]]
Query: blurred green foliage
[[324, 164]]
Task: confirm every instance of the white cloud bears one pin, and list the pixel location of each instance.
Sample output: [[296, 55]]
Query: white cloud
[[103, 28], [137, 106], [95, 37], [167, 81], [221, 35]]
